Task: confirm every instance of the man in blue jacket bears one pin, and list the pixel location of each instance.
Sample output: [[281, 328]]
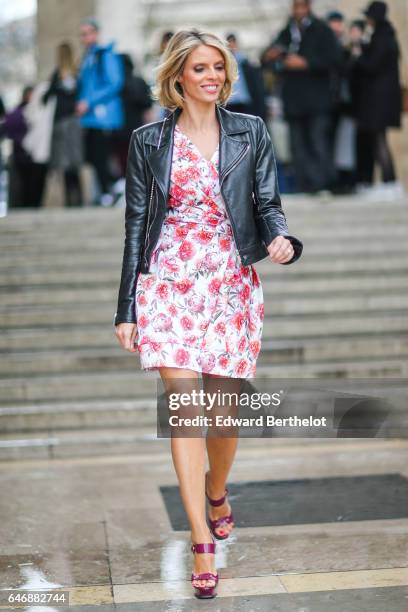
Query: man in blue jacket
[[100, 82]]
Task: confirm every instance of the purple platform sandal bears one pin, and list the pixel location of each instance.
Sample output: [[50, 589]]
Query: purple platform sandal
[[204, 592], [214, 524]]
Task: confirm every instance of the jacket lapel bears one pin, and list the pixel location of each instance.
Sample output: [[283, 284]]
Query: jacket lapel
[[230, 149]]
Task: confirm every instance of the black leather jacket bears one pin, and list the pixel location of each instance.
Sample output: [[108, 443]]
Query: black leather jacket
[[248, 182]]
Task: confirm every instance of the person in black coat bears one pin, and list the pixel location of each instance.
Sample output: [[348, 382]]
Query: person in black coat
[[136, 99], [305, 54], [379, 104], [66, 144]]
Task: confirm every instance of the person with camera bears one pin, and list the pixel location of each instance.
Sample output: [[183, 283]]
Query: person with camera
[[304, 55]]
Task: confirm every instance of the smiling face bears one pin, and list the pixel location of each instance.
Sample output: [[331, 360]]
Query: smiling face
[[203, 74]]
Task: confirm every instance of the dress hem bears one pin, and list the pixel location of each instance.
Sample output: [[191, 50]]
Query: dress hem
[[175, 355]]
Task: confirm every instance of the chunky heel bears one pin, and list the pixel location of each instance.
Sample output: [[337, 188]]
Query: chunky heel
[[214, 524], [204, 592]]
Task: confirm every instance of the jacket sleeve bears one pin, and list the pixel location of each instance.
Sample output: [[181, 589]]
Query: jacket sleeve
[[271, 219], [114, 79], [135, 214]]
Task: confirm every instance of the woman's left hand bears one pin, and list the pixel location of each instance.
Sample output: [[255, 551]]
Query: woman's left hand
[[280, 250]]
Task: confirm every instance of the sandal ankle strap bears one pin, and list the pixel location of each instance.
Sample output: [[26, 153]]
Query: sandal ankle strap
[[204, 576], [215, 502], [208, 547]]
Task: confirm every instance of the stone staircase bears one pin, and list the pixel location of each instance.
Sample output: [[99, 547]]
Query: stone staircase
[[67, 388]]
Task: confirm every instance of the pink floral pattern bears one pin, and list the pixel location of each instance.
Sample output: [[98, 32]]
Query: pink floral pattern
[[198, 307]]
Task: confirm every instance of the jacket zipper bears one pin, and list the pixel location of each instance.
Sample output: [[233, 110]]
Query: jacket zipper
[[235, 163], [150, 205], [225, 200], [148, 229]]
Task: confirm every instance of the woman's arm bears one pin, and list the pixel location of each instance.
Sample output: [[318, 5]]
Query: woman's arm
[[270, 216], [135, 214]]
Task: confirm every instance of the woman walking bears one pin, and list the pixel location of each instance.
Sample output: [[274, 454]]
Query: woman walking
[[202, 206], [379, 100], [66, 143]]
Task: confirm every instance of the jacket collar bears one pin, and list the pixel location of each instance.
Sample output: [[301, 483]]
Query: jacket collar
[[230, 148], [230, 123]]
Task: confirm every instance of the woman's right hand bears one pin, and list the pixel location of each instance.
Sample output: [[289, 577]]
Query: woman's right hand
[[126, 334]]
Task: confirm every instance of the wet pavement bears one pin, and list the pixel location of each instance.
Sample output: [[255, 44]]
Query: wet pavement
[[110, 530]]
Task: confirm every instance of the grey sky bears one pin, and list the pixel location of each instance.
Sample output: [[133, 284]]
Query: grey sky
[[10, 9]]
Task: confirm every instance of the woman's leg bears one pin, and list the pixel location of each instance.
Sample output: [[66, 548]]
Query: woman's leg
[[188, 454], [384, 157], [221, 442], [73, 190], [365, 144]]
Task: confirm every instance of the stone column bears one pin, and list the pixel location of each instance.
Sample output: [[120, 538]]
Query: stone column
[[123, 24], [57, 22]]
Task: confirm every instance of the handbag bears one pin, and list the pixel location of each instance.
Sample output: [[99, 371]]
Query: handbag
[[40, 121]]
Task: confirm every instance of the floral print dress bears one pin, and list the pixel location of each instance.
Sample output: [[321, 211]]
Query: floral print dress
[[198, 307]]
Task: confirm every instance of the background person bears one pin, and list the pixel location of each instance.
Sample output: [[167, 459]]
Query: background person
[[136, 99], [100, 106], [379, 100], [305, 54], [343, 131], [164, 41], [23, 173], [248, 95], [39, 118], [66, 144]]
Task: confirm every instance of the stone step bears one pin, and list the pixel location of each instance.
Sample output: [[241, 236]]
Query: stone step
[[134, 442], [299, 204], [321, 288], [81, 443], [97, 415], [301, 350], [362, 266], [130, 385], [288, 327], [78, 415], [113, 236], [94, 221], [73, 256], [32, 316], [90, 221]]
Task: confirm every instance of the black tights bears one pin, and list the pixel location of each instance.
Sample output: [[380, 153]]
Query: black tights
[[372, 148], [73, 190], [97, 152]]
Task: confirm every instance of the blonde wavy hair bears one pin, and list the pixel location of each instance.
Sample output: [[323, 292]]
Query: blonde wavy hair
[[167, 90]]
